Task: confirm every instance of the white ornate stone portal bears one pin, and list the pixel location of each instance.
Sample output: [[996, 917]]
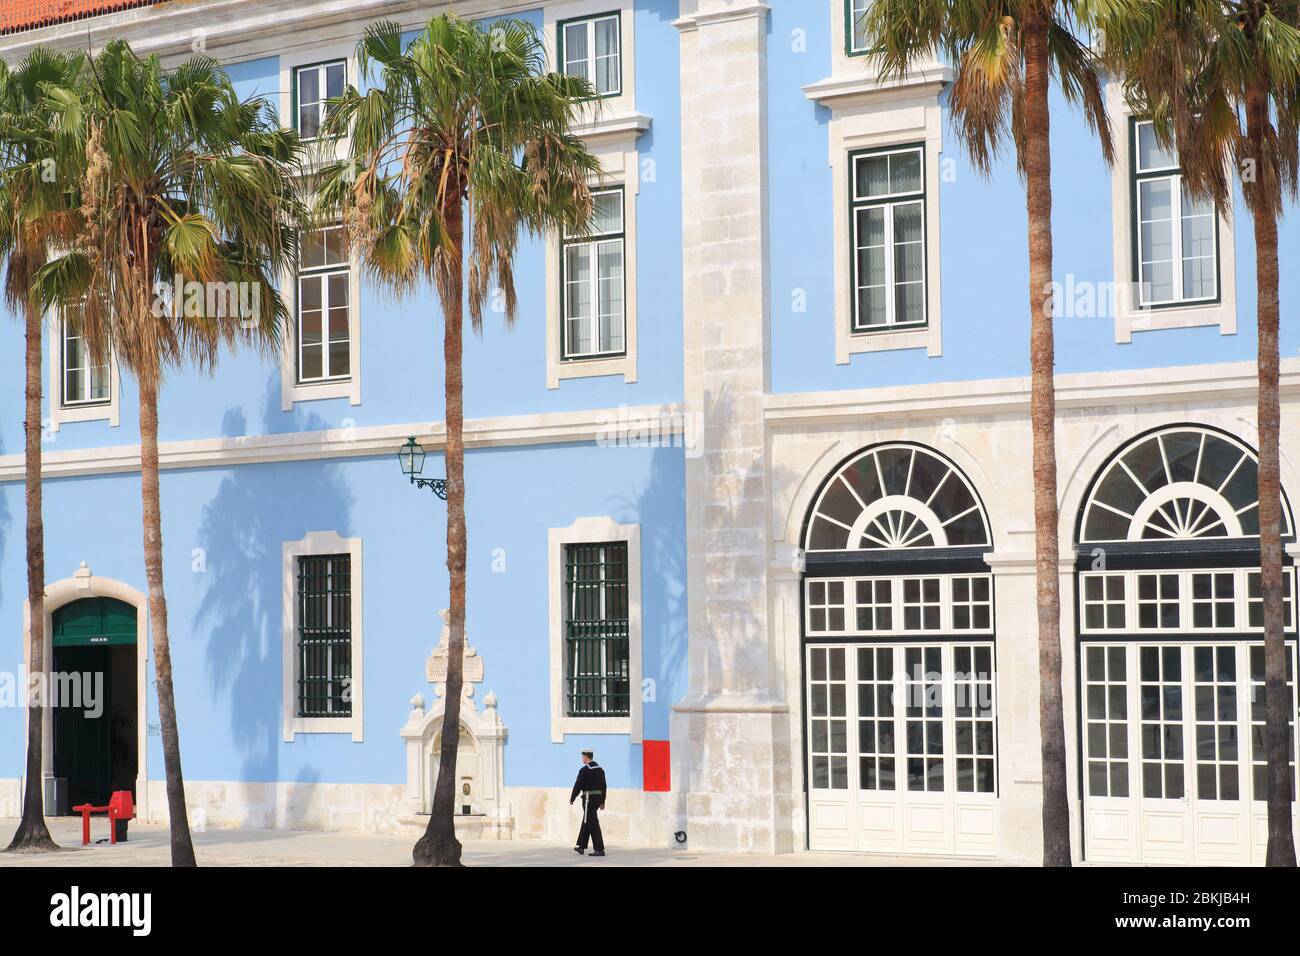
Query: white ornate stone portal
[[480, 758]]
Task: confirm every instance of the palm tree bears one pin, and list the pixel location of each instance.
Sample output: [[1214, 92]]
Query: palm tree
[[464, 121], [1220, 80], [36, 211], [1003, 54], [182, 180]]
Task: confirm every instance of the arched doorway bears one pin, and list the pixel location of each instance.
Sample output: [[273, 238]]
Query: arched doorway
[[1170, 627], [900, 731], [95, 698], [58, 594]]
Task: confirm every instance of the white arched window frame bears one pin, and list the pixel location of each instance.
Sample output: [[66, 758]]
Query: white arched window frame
[[1182, 483]]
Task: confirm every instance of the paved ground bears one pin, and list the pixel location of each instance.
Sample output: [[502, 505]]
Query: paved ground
[[148, 846]]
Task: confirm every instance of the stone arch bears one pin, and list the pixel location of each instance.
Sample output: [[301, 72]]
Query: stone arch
[[85, 584]]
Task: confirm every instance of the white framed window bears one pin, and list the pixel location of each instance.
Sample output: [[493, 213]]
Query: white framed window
[[1210, 600], [80, 389], [882, 606], [314, 85], [591, 279], [85, 381], [595, 628], [324, 326], [594, 283], [888, 194], [1175, 235], [1174, 255], [591, 47], [322, 619]]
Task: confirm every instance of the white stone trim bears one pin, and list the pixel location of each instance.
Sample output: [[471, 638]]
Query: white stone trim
[[584, 530], [84, 584], [625, 100], [60, 414], [315, 543], [1129, 318], [338, 443], [866, 115], [1199, 384], [620, 166]]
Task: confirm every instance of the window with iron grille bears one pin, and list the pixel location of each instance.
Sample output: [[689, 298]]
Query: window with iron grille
[[325, 636], [596, 630]]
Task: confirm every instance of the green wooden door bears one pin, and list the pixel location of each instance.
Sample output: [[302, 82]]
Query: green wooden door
[[95, 736]]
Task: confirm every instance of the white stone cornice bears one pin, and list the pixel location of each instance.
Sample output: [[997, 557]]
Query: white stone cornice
[[840, 92], [239, 29], [739, 10], [1223, 382], [554, 427], [614, 127]]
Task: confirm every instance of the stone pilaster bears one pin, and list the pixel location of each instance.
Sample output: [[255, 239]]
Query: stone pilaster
[[733, 727]]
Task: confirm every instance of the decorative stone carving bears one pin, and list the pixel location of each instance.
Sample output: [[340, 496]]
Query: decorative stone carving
[[480, 759], [436, 666]]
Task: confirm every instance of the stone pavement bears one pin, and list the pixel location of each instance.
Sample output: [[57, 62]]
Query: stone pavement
[[148, 846]]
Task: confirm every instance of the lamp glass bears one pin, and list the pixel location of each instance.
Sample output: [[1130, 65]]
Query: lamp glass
[[411, 457]]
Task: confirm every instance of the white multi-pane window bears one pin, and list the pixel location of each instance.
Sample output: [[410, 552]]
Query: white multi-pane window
[[592, 49], [1161, 715], [928, 604], [1175, 233], [1106, 719], [888, 196], [85, 381], [1258, 711], [856, 37], [1172, 659], [975, 731], [1215, 600], [828, 743], [324, 323], [592, 280], [314, 87]]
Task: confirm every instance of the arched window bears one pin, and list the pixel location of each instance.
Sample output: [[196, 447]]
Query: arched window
[[898, 629], [1170, 616], [896, 496], [1177, 484]]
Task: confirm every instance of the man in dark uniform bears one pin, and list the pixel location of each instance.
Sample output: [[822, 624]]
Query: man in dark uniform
[[591, 785]]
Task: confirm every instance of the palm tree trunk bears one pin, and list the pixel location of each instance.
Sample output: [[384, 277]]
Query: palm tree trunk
[[1281, 841], [33, 835], [182, 846], [439, 846], [1038, 195]]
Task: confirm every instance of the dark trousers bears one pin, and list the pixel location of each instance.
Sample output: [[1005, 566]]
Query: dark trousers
[[591, 826]]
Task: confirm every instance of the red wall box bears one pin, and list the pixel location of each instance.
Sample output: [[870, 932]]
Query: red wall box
[[656, 775]]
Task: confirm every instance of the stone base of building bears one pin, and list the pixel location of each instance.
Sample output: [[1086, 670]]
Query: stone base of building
[[633, 817]]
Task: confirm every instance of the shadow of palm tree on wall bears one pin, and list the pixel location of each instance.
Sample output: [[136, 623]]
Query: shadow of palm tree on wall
[[255, 510]]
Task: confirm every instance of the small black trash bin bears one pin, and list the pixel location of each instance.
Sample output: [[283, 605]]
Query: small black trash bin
[[121, 829]]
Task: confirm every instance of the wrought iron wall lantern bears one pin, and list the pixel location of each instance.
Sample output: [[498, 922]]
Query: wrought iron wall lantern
[[411, 457]]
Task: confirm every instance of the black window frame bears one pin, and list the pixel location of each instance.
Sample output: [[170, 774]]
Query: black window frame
[[323, 681], [295, 106], [596, 237], [562, 64]]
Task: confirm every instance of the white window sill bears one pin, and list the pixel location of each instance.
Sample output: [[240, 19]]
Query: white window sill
[[591, 725], [1176, 317], [591, 368], [323, 725], [854, 343]]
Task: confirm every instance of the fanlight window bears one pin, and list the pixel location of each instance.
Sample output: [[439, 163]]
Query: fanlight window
[[896, 496], [1179, 484]]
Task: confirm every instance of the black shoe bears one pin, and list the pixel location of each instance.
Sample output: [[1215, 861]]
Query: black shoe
[[597, 852], [580, 851]]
